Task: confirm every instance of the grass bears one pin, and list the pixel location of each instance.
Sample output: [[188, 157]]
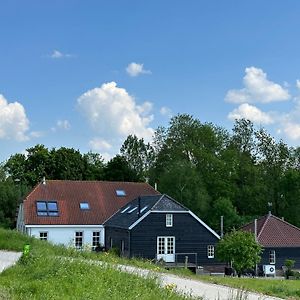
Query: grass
[[43, 275], [288, 289]]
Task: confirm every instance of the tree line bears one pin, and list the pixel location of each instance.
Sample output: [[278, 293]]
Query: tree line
[[239, 174]]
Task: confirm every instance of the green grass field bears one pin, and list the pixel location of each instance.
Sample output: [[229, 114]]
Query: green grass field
[[43, 275], [288, 289]]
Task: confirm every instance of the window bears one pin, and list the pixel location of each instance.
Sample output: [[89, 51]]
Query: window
[[210, 251], [84, 206], [133, 209], [43, 235], [120, 193], [96, 239], [78, 239], [47, 208], [169, 220], [272, 257], [144, 208], [125, 209]]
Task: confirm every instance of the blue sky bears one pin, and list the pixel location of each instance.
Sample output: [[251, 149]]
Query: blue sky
[[85, 74]]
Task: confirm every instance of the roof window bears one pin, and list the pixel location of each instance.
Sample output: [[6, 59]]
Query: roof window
[[144, 208], [125, 209], [84, 205], [133, 209], [47, 208], [120, 193]]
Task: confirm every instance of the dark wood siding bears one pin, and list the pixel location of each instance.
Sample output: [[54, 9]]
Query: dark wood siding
[[281, 255], [190, 237], [117, 235]]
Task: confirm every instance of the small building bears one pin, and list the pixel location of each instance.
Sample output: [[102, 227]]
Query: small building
[[159, 228], [280, 240], [72, 213]]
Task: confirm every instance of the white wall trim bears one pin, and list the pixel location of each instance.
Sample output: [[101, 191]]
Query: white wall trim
[[205, 225], [64, 226], [139, 220]]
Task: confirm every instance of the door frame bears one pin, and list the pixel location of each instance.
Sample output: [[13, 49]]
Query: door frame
[[166, 257]]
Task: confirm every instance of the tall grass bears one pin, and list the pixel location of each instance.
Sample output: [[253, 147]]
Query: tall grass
[[46, 274]]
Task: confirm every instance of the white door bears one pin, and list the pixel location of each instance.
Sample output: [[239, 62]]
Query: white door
[[166, 248]]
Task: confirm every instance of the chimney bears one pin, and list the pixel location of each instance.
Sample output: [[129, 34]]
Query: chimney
[[222, 226], [44, 181], [255, 229], [155, 186]]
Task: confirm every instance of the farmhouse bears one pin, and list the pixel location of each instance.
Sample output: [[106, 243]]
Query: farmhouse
[[157, 227], [280, 240], [73, 212]]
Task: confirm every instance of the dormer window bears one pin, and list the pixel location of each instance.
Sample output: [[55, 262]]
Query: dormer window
[[120, 193], [84, 206], [47, 208]]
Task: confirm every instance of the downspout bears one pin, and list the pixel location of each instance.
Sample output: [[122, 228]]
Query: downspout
[[129, 243]]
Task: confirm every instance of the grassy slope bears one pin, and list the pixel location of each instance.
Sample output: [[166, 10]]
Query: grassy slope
[[289, 289], [44, 276]]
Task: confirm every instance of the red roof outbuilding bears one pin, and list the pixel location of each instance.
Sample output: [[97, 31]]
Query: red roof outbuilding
[[101, 196], [274, 232]]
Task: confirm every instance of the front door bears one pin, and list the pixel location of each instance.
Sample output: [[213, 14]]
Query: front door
[[166, 248]]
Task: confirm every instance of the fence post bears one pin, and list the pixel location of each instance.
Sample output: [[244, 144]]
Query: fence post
[[186, 261]]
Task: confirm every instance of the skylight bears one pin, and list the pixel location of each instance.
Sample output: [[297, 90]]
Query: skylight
[[144, 208], [120, 193], [47, 208], [125, 209], [84, 205], [133, 209]]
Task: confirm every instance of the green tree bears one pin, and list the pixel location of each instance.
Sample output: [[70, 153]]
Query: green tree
[[118, 169], [138, 154], [240, 249], [94, 166]]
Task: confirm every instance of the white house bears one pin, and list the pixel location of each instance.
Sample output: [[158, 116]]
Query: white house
[[73, 212]]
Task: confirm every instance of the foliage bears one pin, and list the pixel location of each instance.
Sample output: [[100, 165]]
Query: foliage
[[240, 249], [289, 264]]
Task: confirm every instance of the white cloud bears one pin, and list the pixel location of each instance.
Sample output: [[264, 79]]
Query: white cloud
[[292, 130], [165, 111], [257, 89], [58, 54], [13, 120], [298, 83], [251, 113], [114, 114], [63, 124], [134, 69], [36, 134], [98, 144]]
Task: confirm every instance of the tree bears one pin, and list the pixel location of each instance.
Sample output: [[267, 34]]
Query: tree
[[240, 249], [138, 155], [117, 169]]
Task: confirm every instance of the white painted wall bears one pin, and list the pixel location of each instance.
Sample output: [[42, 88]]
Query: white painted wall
[[65, 234]]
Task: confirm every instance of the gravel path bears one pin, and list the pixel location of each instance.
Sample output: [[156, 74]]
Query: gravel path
[[8, 258], [196, 288]]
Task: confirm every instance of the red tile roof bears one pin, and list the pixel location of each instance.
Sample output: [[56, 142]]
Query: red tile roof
[[275, 232], [101, 196]]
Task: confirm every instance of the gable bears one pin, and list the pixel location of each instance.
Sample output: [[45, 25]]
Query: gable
[[166, 203]]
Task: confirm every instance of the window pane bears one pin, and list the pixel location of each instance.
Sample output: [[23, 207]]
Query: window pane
[[42, 213], [120, 193], [52, 206], [84, 205], [41, 205], [53, 213]]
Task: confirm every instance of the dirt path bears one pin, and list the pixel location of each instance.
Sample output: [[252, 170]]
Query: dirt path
[[8, 258]]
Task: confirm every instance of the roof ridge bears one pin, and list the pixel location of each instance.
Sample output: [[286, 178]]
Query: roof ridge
[[33, 190], [264, 225], [105, 181]]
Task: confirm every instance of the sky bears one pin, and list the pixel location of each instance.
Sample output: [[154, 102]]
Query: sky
[[86, 74]]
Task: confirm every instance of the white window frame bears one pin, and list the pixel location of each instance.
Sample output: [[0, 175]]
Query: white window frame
[[95, 239], [77, 237], [169, 220], [272, 257], [210, 251], [45, 235]]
